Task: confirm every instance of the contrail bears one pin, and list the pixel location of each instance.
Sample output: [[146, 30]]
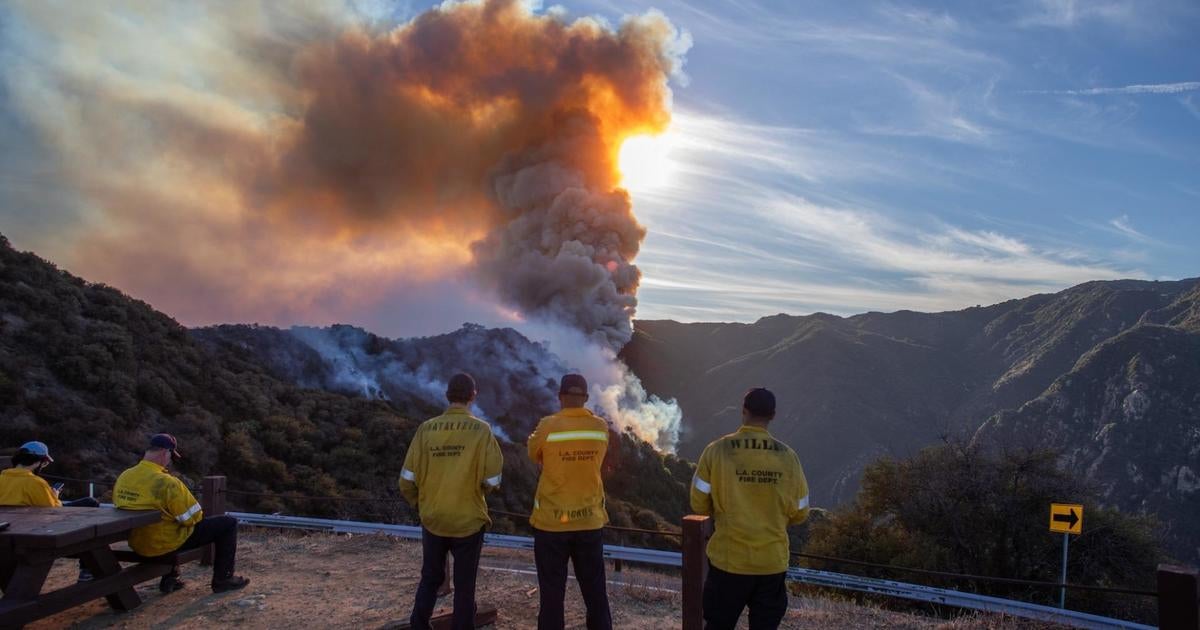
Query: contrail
[[1154, 88]]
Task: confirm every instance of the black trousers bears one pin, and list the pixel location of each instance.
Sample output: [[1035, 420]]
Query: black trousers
[[585, 550], [726, 594], [221, 530], [466, 552]]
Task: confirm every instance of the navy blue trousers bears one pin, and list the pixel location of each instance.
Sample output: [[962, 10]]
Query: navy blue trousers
[[466, 551]]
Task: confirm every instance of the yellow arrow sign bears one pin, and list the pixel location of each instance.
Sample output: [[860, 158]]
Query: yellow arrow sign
[[1066, 518]]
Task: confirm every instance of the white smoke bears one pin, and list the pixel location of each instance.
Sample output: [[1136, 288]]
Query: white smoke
[[516, 373], [616, 392]]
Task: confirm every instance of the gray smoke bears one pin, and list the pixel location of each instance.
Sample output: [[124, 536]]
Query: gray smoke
[[517, 378]]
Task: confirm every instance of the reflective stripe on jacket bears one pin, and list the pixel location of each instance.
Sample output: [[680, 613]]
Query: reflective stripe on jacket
[[453, 459], [20, 487], [570, 445], [148, 486], [754, 487]]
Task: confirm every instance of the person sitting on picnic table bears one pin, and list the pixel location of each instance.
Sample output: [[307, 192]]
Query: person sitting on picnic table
[[20, 486], [148, 486]]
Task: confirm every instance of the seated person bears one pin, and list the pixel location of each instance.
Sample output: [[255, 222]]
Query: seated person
[[21, 486], [148, 486]]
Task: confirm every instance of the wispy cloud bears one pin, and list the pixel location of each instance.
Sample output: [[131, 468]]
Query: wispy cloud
[[1152, 88], [1189, 104], [933, 21], [933, 114], [1069, 13], [903, 37], [1140, 242], [1122, 226], [756, 242]]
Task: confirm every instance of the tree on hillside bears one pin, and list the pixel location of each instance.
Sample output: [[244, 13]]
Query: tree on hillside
[[959, 509]]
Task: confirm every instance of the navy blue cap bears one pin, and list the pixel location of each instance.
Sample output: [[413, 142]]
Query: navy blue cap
[[166, 441], [573, 384]]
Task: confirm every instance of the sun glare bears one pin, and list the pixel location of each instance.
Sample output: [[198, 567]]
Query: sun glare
[[645, 162]]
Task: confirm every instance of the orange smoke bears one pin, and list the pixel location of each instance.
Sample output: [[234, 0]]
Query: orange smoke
[[402, 129], [296, 161]]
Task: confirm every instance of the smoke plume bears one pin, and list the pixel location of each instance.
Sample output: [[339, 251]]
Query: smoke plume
[[517, 378], [285, 162]]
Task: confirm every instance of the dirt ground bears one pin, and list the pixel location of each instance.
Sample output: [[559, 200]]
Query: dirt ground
[[342, 581]]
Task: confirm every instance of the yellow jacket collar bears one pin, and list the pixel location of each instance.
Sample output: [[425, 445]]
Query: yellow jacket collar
[[152, 465], [746, 427], [17, 472], [574, 412]]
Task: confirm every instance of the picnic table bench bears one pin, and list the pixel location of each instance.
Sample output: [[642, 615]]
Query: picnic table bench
[[38, 536]]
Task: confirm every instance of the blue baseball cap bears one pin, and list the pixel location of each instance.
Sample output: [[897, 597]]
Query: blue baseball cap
[[573, 384], [38, 448], [166, 441]]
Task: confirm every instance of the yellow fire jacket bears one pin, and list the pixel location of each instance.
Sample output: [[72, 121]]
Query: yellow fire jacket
[[753, 486], [149, 486], [452, 460], [570, 445], [20, 487]]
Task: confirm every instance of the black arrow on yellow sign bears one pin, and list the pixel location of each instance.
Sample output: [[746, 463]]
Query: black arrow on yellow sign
[[1069, 518]]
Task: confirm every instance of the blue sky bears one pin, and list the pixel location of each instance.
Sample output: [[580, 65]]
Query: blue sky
[[845, 157], [878, 156]]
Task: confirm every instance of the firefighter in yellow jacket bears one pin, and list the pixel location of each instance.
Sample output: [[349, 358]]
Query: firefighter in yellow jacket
[[148, 486], [568, 508], [22, 487], [753, 486], [453, 459]]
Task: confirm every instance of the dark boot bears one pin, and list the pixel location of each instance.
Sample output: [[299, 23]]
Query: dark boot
[[170, 582], [231, 583]]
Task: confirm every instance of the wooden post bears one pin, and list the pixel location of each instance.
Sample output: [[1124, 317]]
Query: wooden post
[[1178, 598], [617, 561], [212, 501], [696, 532]]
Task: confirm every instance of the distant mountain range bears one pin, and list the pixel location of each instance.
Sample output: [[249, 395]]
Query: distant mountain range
[[1107, 372]]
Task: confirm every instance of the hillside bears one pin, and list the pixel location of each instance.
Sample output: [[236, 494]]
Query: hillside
[[1127, 418], [856, 388], [517, 378], [92, 372]]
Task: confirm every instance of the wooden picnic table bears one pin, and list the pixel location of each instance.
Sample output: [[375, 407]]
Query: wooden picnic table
[[38, 536]]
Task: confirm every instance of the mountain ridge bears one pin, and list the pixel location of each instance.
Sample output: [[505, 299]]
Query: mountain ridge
[[852, 389]]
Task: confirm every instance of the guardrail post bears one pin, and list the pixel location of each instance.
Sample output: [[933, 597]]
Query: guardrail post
[[617, 561], [696, 532], [212, 501], [1178, 598]]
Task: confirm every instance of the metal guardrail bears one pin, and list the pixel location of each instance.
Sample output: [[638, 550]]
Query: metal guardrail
[[504, 541], [904, 590], [959, 599]]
